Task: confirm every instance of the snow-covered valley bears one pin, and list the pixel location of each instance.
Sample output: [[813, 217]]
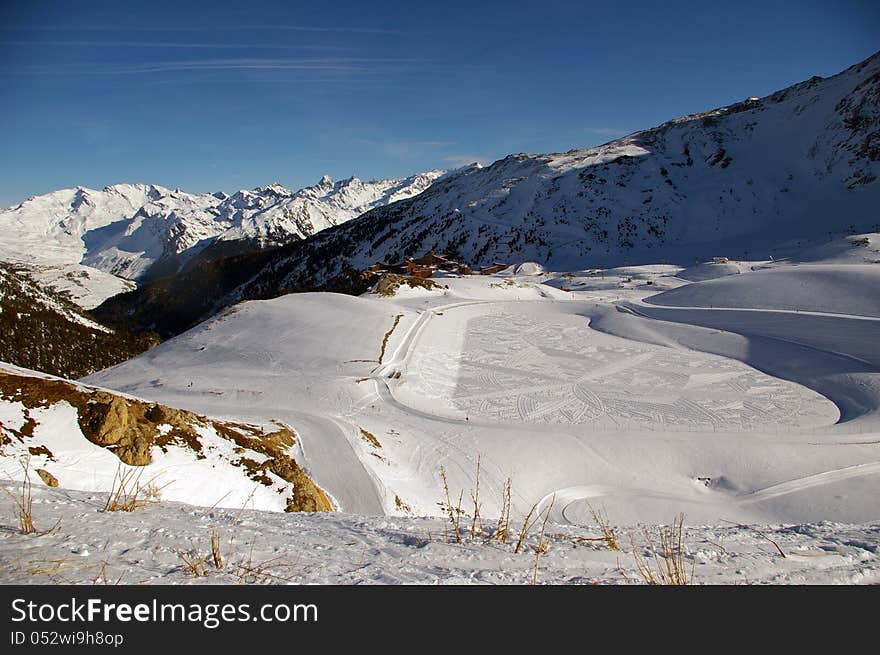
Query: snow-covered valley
[[588, 390]]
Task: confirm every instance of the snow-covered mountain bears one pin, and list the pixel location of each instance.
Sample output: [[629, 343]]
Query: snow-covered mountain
[[273, 215], [749, 181], [126, 229], [798, 164]]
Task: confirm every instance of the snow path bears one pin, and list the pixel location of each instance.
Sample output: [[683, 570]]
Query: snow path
[[333, 462], [808, 481]]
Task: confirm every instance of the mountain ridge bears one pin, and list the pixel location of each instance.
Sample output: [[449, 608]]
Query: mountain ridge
[[142, 231], [749, 179]]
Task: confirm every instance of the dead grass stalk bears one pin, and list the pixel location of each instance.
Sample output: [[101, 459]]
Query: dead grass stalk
[[668, 562]]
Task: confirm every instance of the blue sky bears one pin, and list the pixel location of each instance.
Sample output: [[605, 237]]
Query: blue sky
[[222, 96]]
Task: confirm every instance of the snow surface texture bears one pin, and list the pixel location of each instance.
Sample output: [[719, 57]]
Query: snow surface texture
[[804, 288], [146, 547], [72, 236]]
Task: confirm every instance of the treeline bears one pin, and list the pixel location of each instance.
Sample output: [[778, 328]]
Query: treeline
[[38, 336]]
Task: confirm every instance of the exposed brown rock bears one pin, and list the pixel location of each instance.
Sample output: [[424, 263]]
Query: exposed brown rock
[[307, 496], [389, 283], [39, 450], [130, 429]]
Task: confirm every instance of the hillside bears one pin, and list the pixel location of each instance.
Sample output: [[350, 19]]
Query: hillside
[[747, 180], [80, 437], [45, 332], [798, 164], [569, 393]]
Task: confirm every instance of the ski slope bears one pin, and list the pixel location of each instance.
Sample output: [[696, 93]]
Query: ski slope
[[652, 409]]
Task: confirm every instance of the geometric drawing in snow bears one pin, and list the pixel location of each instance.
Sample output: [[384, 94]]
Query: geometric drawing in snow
[[514, 368]]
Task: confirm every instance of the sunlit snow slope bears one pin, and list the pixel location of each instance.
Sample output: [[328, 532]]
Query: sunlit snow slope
[[582, 396]]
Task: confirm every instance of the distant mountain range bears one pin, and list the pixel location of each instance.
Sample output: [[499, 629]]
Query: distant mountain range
[[138, 232], [798, 165]]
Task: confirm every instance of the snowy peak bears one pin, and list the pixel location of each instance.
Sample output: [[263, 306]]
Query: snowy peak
[[120, 229], [125, 229], [273, 215]]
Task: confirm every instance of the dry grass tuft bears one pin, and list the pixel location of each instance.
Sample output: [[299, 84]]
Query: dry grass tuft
[[24, 501], [250, 572], [268, 570], [669, 566], [401, 505], [526, 526], [216, 555], [477, 521], [101, 577], [609, 536], [542, 546], [194, 563], [53, 567], [127, 494], [454, 513], [502, 529]]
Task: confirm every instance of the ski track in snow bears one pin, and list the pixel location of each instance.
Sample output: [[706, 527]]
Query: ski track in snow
[[335, 464], [809, 481]]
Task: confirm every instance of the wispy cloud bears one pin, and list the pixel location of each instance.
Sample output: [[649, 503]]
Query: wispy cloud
[[349, 64], [309, 28], [173, 44], [98, 27]]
